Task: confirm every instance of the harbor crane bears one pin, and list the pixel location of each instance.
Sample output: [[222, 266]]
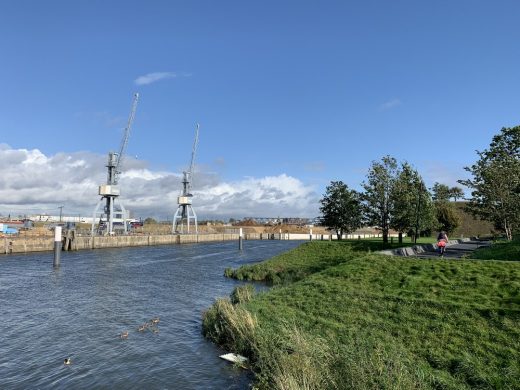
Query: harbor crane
[[110, 191], [185, 212]]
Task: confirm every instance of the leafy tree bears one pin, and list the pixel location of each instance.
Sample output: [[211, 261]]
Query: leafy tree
[[495, 185], [441, 192], [412, 205], [341, 208], [377, 197], [456, 193], [447, 216], [150, 221]]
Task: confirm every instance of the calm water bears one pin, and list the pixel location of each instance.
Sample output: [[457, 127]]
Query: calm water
[[79, 311]]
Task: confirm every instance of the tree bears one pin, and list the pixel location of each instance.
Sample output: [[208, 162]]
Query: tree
[[456, 193], [447, 216], [341, 208], [377, 197], [150, 221], [441, 192], [495, 185], [412, 205]]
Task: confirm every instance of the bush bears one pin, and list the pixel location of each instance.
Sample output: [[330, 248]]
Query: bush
[[230, 326], [242, 294]]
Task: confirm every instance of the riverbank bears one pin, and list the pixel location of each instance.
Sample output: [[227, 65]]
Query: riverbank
[[342, 317], [72, 241]]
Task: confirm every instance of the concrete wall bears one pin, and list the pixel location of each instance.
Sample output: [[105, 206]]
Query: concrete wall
[[418, 249], [23, 245], [39, 244], [314, 237]]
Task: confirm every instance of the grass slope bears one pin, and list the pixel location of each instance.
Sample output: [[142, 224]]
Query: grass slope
[[502, 250], [311, 258], [366, 321]]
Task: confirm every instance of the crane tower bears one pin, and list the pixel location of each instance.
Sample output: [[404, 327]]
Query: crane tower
[[110, 191], [185, 212]]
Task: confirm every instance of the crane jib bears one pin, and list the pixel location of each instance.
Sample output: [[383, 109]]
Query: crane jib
[[126, 135]]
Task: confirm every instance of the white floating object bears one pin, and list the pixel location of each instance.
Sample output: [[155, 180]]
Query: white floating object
[[234, 358]]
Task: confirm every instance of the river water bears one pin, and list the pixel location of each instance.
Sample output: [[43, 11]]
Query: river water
[[79, 311]]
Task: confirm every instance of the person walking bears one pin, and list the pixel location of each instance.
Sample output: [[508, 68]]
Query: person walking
[[442, 240]]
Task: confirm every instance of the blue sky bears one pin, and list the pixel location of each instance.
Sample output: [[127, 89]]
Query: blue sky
[[289, 96]]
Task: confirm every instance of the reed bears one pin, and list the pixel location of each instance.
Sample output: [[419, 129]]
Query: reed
[[355, 319], [242, 294]]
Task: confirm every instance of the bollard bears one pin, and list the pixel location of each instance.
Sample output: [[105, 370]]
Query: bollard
[[240, 240], [57, 246], [310, 235]]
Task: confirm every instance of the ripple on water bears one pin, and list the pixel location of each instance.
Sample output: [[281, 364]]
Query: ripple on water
[[79, 311]]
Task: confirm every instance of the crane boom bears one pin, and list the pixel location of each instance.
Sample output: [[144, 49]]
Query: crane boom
[[194, 149], [126, 135]]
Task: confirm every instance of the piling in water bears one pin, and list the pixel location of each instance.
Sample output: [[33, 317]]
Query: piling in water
[[57, 246]]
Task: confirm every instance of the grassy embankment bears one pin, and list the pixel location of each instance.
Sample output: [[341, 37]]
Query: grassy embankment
[[501, 249], [346, 318]]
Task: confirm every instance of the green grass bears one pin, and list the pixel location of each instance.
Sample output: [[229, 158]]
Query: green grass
[[354, 319], [500, 250], [311, 258]]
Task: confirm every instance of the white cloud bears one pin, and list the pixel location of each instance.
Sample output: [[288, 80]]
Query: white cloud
[[31, 183], [390, 104], [153, 77]]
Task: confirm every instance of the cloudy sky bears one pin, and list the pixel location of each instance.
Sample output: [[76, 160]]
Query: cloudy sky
[[33, 183], [290, 95]]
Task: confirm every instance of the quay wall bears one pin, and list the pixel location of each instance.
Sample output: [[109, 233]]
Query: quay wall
[[71, 241], [21, 244]]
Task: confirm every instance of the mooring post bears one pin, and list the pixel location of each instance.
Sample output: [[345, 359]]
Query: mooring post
[[240, 240], [57, 246], [310, 235]]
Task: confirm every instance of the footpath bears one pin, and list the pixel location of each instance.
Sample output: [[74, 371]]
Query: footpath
[[455, 249]]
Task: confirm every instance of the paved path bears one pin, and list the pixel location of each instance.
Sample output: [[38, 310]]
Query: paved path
[[456, 251]]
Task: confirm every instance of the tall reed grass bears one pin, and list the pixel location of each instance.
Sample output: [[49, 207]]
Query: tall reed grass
[[357, 320]]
